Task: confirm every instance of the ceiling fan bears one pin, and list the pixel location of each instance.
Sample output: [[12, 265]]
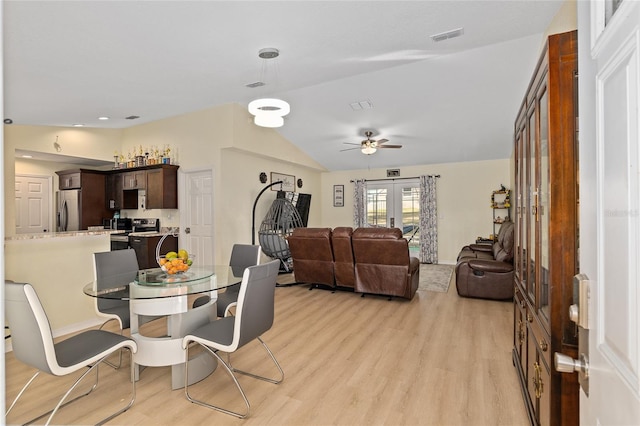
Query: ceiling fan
[[369, 146]]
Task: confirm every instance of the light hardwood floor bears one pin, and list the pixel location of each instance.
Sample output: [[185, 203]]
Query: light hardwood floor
[[437, 360]]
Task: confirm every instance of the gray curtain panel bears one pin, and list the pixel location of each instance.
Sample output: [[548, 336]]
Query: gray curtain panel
[[359, 204], [428, 220]]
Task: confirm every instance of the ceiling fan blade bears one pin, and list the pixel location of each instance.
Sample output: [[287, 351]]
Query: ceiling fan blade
[[389, 146], [349, 149], [381, 141], [350, 143]]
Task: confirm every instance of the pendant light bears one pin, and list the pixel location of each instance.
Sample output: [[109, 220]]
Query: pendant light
[[268, 112]]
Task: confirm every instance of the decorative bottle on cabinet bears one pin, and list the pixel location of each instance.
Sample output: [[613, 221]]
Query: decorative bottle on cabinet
[[546, 197]]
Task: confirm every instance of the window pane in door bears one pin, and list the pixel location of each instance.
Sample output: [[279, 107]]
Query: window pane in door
[[411, 218], [377, 206]]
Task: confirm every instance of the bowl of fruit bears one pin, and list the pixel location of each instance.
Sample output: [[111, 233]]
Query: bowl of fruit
[[175, 262]]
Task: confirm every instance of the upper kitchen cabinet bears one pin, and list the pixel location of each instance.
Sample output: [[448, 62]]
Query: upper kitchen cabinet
[[162, 187], [160, 182], [114, 191], [136, 179], [68, 179]]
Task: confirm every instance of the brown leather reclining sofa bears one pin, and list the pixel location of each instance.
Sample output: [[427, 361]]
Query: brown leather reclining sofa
[[367, 260], [486, 271]]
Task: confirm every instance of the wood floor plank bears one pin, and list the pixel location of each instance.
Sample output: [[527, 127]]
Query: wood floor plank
[[436, 360]]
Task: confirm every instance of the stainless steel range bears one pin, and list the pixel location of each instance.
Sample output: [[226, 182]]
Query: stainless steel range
[[119, 241]]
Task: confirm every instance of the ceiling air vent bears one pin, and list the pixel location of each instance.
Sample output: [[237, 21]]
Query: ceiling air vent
[[132, 117], [447, 35], [254, 85]]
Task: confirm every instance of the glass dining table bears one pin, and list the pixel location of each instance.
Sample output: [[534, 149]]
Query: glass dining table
[[154, 293]]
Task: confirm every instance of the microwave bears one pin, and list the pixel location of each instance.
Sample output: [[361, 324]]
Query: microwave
[[117, 224]]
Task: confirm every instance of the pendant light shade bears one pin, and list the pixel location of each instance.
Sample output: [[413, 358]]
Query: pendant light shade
[[268, 112]]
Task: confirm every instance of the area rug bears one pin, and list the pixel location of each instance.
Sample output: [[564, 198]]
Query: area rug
[[435, 277]]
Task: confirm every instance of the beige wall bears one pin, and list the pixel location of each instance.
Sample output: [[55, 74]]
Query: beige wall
[[226, 140], [463, 197], [97, 144]]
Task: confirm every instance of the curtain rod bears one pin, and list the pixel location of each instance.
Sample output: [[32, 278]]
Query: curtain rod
[[400, 178]]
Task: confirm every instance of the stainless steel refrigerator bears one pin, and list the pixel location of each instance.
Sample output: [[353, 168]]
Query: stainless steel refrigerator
[[68, 210]]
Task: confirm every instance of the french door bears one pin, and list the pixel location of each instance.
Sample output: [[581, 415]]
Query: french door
[[396, 204]]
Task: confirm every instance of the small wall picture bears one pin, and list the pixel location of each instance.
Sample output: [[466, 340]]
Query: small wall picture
[[338, 195], [288, 182]]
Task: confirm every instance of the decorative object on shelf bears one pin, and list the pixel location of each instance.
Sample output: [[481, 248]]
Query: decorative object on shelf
[[268, 112], [263, 177], [500, 199], [144, 156], [299, 183], [288, 182], [338, 195]]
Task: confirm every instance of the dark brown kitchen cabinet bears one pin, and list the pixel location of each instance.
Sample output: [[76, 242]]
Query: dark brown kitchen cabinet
[[136, 179], [162, 187], [90, 185], [69, 179], [160, 182], [114, 191], [145, 248], [546, 207]]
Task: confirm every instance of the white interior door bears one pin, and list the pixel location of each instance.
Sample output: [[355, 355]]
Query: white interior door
[[33, 204], [609, 208], [396, 204], [196, 215]]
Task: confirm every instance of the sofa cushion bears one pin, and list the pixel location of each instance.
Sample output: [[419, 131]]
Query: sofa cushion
[[312, 255], [343, 256]]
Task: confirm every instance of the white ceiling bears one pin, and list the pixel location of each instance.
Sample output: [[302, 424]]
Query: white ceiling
[[69, 62]]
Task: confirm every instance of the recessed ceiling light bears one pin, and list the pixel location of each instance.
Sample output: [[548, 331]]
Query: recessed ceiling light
[[103, 118], [78, 125], [27, 156]]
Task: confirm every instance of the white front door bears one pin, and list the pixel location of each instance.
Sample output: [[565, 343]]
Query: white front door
[[33, 204], [610, 207], [196, 215], [396, 204]]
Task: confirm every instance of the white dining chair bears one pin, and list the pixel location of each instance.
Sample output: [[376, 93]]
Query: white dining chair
[[32, 344]]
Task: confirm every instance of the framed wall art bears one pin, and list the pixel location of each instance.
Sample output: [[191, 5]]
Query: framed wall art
[[338, 195], [288, 182]]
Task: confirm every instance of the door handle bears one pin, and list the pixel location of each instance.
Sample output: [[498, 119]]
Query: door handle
[[566, 364], [187, 230]]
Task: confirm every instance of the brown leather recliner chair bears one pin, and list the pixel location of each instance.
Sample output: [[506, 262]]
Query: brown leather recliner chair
[[486, 271], [312, 255], [343, 257], [382, 263]]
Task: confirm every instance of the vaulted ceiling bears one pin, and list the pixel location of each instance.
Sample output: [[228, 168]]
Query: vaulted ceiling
[[68, 62]]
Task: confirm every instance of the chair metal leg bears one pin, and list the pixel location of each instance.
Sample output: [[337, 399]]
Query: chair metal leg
[[95, 385], [235, 380], [266, 379], [109, 363]]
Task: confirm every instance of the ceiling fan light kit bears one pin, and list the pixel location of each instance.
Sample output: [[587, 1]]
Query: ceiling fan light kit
[[370, 146], [268, 112], [368, 150]]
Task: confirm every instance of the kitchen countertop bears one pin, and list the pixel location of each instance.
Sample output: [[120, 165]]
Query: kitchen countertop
[[43, 235]]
